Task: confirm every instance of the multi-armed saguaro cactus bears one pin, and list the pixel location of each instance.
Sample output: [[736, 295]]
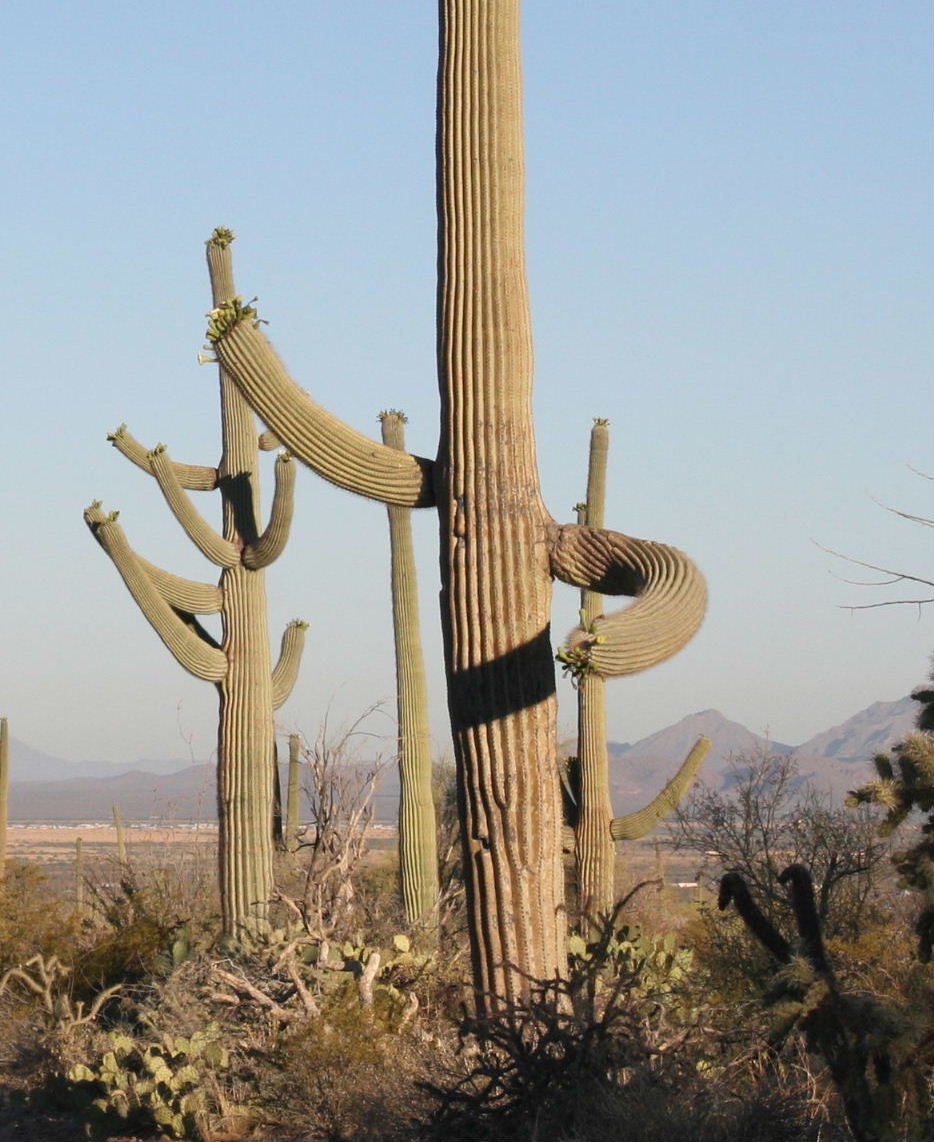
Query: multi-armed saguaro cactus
[[418, 845], [595, 830], [500, 548], [249, 688]]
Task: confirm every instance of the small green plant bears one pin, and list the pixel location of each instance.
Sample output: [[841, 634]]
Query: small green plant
[[151, 1085]]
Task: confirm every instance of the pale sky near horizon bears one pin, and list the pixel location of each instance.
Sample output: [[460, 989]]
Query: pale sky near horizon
[[729, 257]]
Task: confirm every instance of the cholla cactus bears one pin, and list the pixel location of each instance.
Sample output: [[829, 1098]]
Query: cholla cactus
[[904, 783], [500, 547], [866, 1045], [250, 688], [418, 846]]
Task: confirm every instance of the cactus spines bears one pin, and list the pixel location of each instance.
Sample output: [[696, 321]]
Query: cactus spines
[[249, 686], [4, 790], [500, 548], [418, 856]]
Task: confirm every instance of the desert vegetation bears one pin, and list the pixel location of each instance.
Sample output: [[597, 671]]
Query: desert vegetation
[[506, 971], [794, 1014]]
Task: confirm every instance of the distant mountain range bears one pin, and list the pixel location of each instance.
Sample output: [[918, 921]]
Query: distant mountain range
[[44, 788]]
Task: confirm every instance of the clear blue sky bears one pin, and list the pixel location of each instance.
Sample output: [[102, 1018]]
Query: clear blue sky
[[728, 227]]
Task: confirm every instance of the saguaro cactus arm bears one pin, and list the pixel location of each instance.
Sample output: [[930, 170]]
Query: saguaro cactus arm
[[271, 543], [318, 438], [194, 477], [210, 543], [184, 594], [285, 672], [643, 821], [671, 599], [189, 643]]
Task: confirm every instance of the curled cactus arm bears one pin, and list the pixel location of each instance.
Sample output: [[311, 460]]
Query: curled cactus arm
[[268, 442], [194, 477], [271, 543], [638, 824], [285, 672], [188, 642], [333, 449], [184, 594], [670, 591], [213, 546]]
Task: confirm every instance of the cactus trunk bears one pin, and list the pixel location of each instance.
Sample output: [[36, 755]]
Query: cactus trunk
[[293, 794], [594, 849], [496, 592], [418, 844], [120, 833]]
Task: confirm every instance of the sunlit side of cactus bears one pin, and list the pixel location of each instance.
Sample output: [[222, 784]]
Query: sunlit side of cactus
[[249, 688]]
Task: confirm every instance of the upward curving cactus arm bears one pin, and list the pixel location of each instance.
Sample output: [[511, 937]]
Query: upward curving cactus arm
[[271, 543], [285, 672], [643, 821], [190, 645], [670, 590], [194, 477], [213, 546], [333, 449]]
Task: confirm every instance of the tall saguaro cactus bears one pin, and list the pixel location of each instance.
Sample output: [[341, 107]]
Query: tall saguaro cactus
[[596, 831], [418, 844], [500, 548], [249, 688]]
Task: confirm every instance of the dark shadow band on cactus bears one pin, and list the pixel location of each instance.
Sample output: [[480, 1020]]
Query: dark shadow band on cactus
[[488, 691]]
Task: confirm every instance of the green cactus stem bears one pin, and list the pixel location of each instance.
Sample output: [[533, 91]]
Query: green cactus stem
[[250, 688], [4, 790], [293, 794], [418, 852], [500, 548], [121, 833], [80, 905]]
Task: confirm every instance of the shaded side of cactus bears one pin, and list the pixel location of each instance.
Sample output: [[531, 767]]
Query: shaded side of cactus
[[500, 547], [293, 794], [418, 852], [239, 665]]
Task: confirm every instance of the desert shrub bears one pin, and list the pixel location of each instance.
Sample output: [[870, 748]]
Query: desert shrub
[[345, 1078], [33, 918]]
